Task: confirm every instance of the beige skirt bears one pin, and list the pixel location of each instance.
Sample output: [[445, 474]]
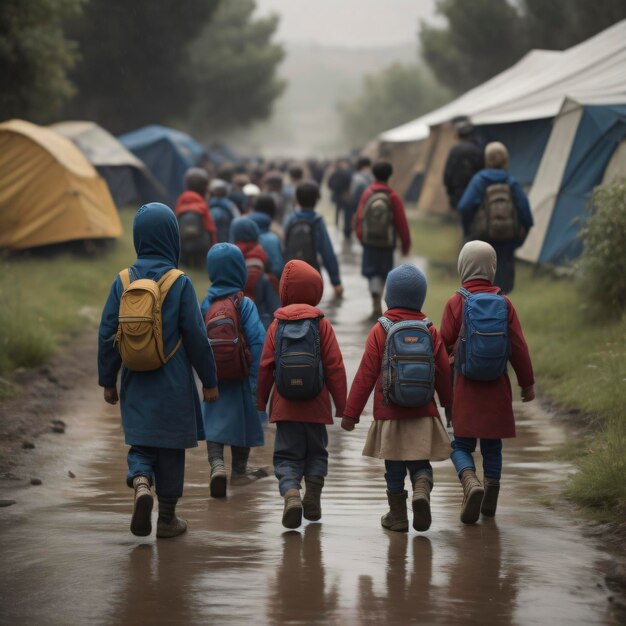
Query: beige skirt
[[416, 439]]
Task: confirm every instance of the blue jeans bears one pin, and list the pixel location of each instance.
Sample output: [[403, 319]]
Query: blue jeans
[[491, 449], [396, 471], [299, 450], [165, 467]]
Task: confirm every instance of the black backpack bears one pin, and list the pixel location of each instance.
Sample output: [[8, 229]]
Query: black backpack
[[300, 241]]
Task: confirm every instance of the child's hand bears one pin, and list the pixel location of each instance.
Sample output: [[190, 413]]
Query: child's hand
[[210, 395], [528, 393], [347, 423], [338, 291], [110, 395]]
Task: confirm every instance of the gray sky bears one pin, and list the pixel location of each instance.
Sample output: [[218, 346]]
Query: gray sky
[[350, 23]]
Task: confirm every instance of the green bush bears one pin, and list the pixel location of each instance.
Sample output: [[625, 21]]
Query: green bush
[[603, 261]]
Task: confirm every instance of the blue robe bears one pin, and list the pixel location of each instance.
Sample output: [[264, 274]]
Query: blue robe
[[270, 242]]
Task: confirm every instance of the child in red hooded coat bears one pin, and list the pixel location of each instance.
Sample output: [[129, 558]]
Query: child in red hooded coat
[[301, 437]]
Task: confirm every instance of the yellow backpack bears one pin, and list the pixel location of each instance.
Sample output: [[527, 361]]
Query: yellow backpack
[[139, 336]]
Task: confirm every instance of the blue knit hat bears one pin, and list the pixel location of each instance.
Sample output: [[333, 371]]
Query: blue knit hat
[[406, 287]]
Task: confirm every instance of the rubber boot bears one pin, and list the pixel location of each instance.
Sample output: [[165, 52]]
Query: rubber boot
[[473, 493], [141, 521], [396, 519], [490, 500], [168, 524], [217, 485], [421, 503], [292, 513], [377, 306], [311, 502], [249, 476]]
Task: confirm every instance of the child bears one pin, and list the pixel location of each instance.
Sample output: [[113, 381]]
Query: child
[[301, 438], [263, 214], [244, 233], [223, 210], [482, 408], [233, 420], [160, 408], [410, 435], [306, 237], [380, 218]]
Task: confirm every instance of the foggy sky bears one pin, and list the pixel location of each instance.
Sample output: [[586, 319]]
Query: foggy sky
[[350, 23]]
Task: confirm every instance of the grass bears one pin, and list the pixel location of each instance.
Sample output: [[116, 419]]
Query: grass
[[579, 364]]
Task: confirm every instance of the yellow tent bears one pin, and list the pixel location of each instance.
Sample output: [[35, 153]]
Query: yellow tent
[[49, 192]]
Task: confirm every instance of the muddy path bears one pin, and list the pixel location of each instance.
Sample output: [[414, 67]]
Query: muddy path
[[69, 558]]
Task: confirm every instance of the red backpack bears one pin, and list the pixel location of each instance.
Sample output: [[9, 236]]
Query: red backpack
[[256, 269], [223, 327]]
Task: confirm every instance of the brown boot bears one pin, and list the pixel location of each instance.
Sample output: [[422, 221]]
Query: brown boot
[[490, 500], [168, 524], [141, 521], [421, 503], [217, 486], [396, 519], [473, 493], [292, 513], [311, 502], [377, 307]]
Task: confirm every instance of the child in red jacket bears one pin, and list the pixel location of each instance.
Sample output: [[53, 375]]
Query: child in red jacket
[[301, 437], [406, 437], [482, 409]]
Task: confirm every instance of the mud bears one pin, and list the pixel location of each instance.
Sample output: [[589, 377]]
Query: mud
[[69, 558]]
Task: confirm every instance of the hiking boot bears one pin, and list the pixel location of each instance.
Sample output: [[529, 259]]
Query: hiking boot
[[473, 493], [490, 500], [217, 485], [396, 519], [141, 521], [249, 476], [311, 502], [377, 306], [421, 503], [168, 524], [292, 513]]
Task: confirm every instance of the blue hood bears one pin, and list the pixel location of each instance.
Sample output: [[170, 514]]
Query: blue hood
[[227, 270], [494, 175], [244, 229], [406, 287], [262, 220]]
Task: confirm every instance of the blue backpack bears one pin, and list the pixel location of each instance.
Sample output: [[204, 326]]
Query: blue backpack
[[408, 368], [299, 371], [483, 347], [222, 217]]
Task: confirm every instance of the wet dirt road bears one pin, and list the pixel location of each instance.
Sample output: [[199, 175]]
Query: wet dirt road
[[68, 557]]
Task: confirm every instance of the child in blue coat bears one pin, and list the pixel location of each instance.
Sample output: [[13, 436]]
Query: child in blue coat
[[160, 409], [233, 420], [263, 214]]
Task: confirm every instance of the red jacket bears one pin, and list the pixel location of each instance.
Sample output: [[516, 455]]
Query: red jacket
[[483, 409], [301, 289], [399, 216], [369, 375], [253, 250], [194, 202]]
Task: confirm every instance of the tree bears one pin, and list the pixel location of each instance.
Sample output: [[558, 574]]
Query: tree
[[391, 97], [35, 57], [234, 65]]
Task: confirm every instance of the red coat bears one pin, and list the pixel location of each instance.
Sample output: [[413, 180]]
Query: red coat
[[194, 202], [399, 216], [483, 409], [369, 375]]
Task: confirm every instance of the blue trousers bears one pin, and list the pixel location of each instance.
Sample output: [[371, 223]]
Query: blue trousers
[[396, 471], [299, 450], [491, 449], [165, 467]]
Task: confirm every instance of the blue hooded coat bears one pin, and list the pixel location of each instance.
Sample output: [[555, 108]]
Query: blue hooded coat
[[160, 408], [270, 242], [233, 419]]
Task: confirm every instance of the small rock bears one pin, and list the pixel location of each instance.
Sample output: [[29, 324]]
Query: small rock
[[36, 481], [4, 503], [28, 445], [58, 429], [71, 474], [58, 423]]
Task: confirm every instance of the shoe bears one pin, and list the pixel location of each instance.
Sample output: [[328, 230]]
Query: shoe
[[311, 505], [292, 513], [217, 484], [141, 520], [490, 499], [421, 503], [166, 530], [473, 493], [396, 519], [249, 476]]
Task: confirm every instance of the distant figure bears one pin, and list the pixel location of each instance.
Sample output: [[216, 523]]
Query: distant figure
[[361, 180], [339, 184], [306, 236], [464, 160], [263, 215], [495, 209], [237, 193], [380, 219], [482, 405], [296, 176], [195, 223], [223, 210], [273, 184]]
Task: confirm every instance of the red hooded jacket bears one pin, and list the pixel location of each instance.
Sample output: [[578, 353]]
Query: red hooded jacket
[[369, 375], [483, 409], [194, 202], [301, 289]]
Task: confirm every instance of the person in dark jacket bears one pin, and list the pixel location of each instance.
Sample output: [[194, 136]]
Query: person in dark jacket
[[361, 180], [497, 162], [263, 215], [161, 413], [464, 160]]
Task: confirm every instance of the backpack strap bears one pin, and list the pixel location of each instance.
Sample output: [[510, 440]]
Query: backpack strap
[[464, 292], [165, 284], [386, 323], [125, 278]]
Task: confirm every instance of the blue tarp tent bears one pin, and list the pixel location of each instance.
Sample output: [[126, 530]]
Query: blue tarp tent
[[168, 153]]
